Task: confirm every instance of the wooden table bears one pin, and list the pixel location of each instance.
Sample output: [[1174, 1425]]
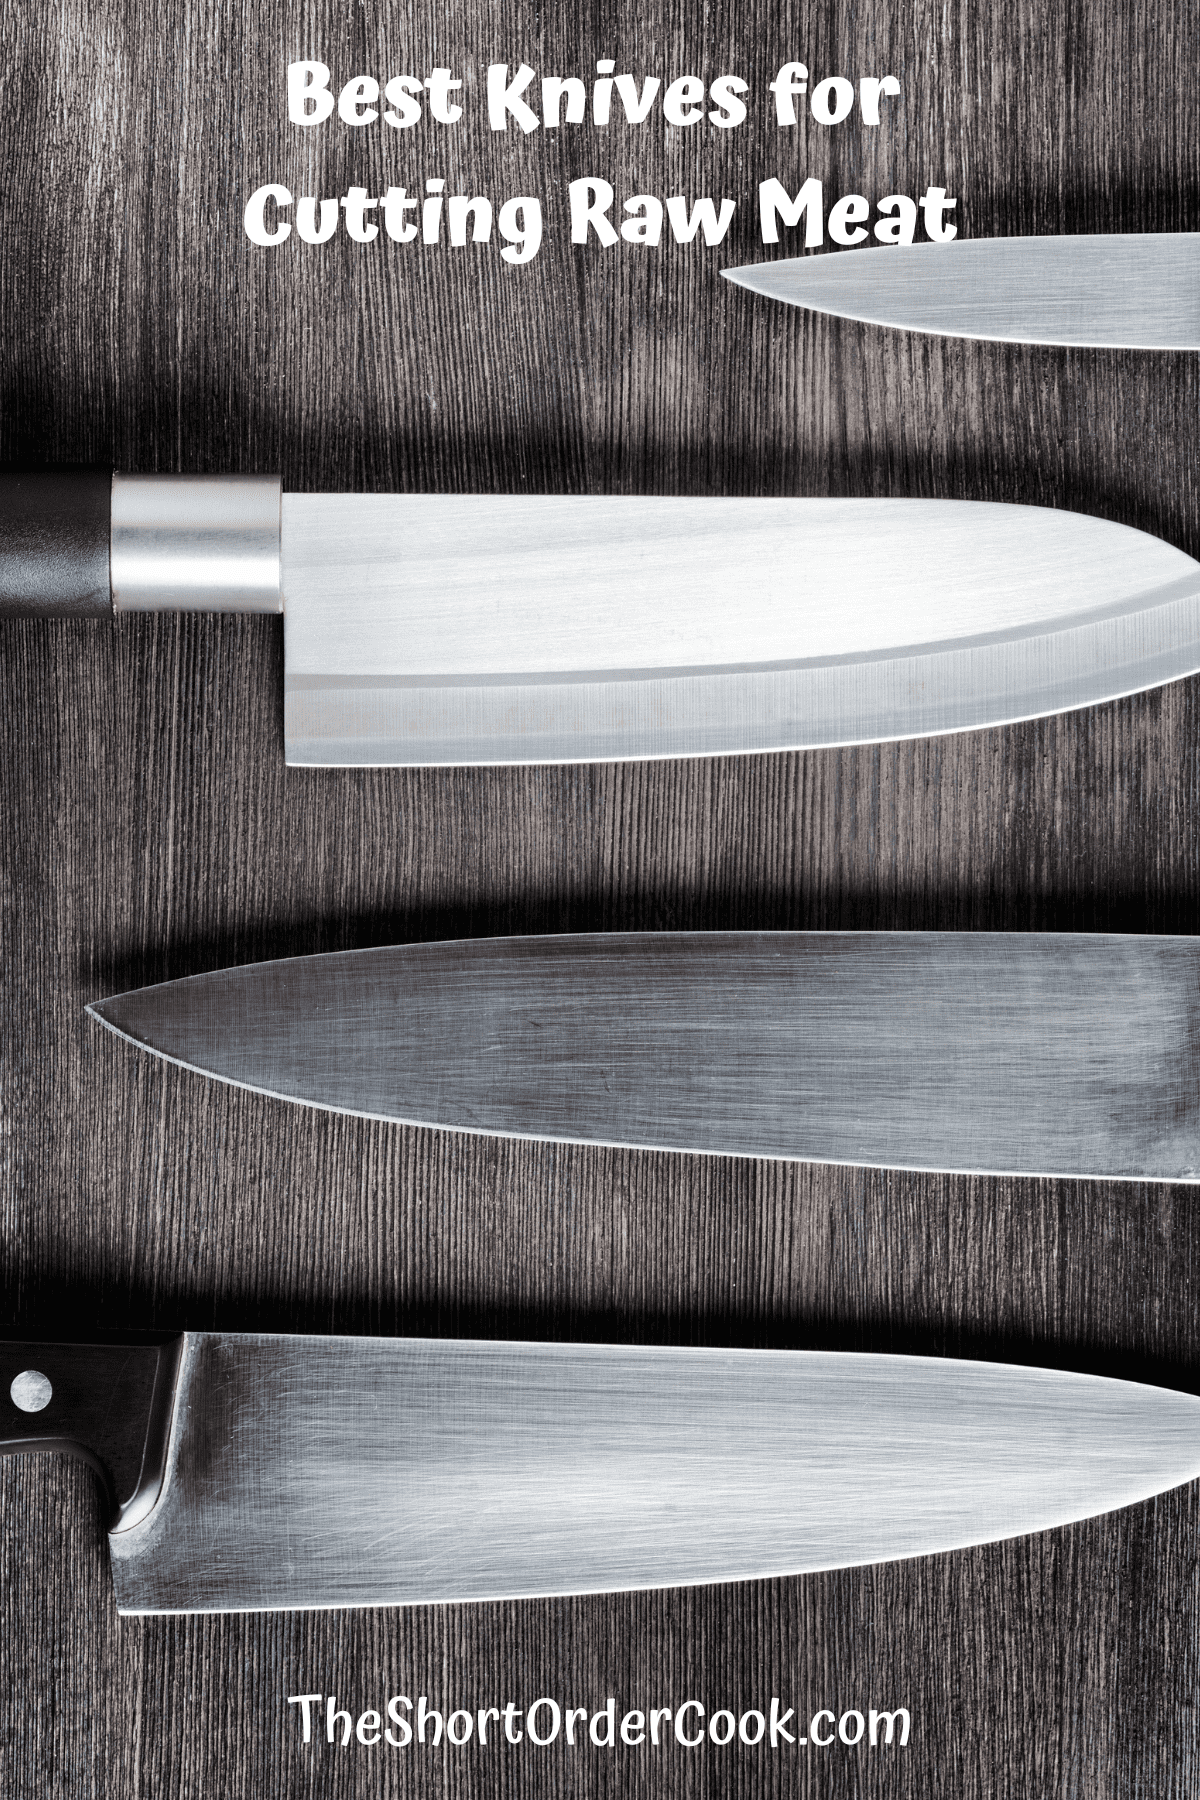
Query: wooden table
[[148, 829]]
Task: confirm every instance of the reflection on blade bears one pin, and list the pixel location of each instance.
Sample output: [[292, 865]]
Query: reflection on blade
[[421, 629], [1009, 1053], [308, 1472], [1133, 292]]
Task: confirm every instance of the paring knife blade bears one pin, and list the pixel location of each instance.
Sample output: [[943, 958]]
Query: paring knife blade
[[1138, 292], [271, 1472], [421, 629], [977, 1052]]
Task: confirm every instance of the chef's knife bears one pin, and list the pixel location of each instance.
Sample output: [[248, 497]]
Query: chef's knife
[[249, 1473], [997, 1053], [1137, 292], [526, 629]]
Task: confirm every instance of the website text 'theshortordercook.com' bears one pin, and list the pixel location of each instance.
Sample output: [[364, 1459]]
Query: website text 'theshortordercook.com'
[[406, 1724]]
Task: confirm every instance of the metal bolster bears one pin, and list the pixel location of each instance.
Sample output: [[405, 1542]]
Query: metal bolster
[[196, 543]]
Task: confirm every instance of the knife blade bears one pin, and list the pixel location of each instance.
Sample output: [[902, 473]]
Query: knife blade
[[1137, 292], [276, 1472], [424, 629], [1035, 1054]]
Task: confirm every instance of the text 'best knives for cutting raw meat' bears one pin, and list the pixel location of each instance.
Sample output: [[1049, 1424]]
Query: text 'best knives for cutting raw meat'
[[248, 1473], [427, 629], [1125, 292], [1009, 1053]]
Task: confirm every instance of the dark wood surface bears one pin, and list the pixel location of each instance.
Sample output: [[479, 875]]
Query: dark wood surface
[[149, 829]]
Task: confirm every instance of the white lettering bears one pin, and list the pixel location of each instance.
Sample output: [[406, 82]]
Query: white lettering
[[306, 220], [809, 205], [844, 216], [681, 1736], [553, 91], [402, 90], [602, 93], [480, 212], [779, 1725], [869, 91], [898, 224], [888, 1720], [603, 1726], [637, 109], [395, 204], [645, 226], [423, 1717], [555, 1721], [933, 204], [590, 199], [730, 110], [354, 204], [511, 1733], [832, 100], [440, 87], [308, 86], [305, 1701], [255, 220], [791, 80], [680, 101], [704, 215], [503, 99], [355, 101], [521, 227], [405, 1729]]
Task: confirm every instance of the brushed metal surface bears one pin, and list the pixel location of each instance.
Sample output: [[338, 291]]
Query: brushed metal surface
[[196, 543], [433, 629], [310, 1472], [1132, 291], [1034, 1054]]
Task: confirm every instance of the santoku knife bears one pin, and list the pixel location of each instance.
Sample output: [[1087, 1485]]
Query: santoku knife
[[248, 1473], [979, 1052], [528, 628], [1137, 292]]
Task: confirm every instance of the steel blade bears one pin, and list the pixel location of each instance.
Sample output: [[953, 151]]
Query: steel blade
[[424, 629], [993, 1053], [318, 1472], [1139, 292]]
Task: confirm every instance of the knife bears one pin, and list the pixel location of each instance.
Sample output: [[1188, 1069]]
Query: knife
[[1034, 1054], [428, 629], [1136, 292], [246, 1473]]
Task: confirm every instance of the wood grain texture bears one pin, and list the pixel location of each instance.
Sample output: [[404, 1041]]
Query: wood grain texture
[[149, 829]]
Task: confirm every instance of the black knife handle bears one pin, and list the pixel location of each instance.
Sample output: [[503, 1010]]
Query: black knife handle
[[54, 544], [107, 1403]]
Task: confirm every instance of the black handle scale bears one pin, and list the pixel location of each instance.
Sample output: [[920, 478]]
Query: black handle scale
[[54, 544], [109, 1404]]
